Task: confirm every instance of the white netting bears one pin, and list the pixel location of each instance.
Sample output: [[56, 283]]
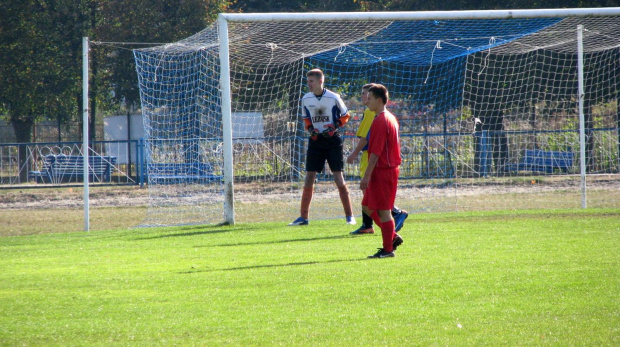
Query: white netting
[[517, 77]]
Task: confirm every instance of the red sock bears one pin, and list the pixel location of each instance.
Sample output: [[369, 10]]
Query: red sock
[[375, 217], [306, 198], [387, 232]]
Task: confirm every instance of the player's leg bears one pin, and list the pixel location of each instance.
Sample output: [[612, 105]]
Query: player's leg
[[367, 222], [315, 162], [343, 191], [378, 202], [306, 198], [335, 160], [390, 240], [374, 215], [387, 230], [366, 227]]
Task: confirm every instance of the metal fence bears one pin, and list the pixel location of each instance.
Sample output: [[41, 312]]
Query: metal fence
[[34, 163], [425, 155]]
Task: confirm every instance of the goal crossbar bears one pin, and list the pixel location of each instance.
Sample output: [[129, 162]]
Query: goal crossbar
[[419, 15]]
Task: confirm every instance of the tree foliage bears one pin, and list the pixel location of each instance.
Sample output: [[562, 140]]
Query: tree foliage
[[142, 21], [37, 50], [40, 44]]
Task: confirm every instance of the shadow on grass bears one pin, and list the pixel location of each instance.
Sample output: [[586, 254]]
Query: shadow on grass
[[202, 230], [280, 241], [251, 267]]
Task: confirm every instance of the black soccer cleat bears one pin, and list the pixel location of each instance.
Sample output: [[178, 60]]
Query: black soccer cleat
[[397, 241], [382, 254]]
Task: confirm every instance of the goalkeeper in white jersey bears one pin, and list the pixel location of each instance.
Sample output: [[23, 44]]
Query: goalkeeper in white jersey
[[323, 113]]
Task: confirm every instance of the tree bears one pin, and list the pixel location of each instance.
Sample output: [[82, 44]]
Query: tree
[[40, 50], [454, 5], [142, 21], [38, 78], [36, 49], [252, 6]]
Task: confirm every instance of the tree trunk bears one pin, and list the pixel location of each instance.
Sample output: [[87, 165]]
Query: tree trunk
[[92, 98], [23, 133], [92, 88]]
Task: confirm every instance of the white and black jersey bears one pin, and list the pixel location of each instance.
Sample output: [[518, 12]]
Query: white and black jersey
[[323, 110]]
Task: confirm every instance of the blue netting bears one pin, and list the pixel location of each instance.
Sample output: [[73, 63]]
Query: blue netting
[[422, 43], [421, 62]]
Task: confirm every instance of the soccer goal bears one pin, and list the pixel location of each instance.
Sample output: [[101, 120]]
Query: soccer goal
[[489, 103]]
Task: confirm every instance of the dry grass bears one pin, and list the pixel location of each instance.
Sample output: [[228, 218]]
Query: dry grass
[[54, 210], [43, 221]]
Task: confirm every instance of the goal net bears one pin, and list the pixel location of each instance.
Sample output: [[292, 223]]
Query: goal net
[[485, 106]]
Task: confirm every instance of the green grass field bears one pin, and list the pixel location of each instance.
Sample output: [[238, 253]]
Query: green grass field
[[460, 279]]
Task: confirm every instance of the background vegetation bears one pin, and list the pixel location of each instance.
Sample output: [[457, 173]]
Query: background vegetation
[[40, 46]]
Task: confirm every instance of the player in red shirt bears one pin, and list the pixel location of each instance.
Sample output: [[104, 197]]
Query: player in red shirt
[[381, 178]]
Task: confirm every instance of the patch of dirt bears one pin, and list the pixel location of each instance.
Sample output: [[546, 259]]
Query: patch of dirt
[[73, 197], [127, 196]]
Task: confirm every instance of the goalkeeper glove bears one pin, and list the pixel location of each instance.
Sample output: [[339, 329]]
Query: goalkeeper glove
[[329, 131], [314, 134]]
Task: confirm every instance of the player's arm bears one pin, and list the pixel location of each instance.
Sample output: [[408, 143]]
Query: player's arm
[[360, 145], [308, 125], [341, 113], [342, 120]]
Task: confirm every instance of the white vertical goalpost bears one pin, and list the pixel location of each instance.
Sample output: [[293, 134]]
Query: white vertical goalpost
[[582, 123], [85, 131], [229, 198], [225, 81]]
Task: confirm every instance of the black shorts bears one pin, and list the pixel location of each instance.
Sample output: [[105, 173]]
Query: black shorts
[[325, 148]]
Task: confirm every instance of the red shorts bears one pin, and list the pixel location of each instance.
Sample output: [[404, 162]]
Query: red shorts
[[381, 191]]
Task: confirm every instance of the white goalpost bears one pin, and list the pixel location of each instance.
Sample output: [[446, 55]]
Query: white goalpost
[[501, 100], [85, 130]]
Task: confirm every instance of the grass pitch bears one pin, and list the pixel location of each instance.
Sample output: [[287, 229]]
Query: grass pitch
[[492, 278]]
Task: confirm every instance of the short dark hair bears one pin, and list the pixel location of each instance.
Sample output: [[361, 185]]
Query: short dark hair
[[379, 91], [367, 86], [315, 73]]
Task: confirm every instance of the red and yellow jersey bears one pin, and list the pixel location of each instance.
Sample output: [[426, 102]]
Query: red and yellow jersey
[[383, 140]]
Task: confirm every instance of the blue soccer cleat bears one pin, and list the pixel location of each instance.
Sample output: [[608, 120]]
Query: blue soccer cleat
[[299, 221], [399, 220]]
